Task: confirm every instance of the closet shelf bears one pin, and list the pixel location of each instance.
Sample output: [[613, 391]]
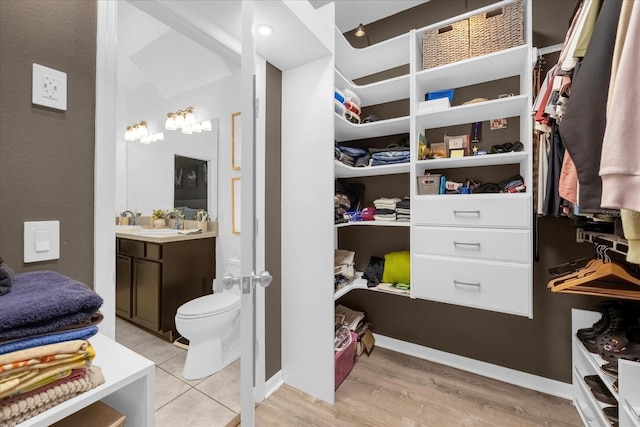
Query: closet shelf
[[473, 71], [360, 283], [484, 196], [376, 93], [420, 31], [616, 243], [595, 361], [512, 106], [355, 63], [633, 413], [344, 171], [373, 224], [346, 131], [473, 161]]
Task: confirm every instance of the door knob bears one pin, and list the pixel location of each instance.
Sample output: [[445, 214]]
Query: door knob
[[228, 281], [263, 279]]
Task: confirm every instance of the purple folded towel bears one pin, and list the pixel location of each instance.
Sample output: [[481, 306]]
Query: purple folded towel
[[43, 301]]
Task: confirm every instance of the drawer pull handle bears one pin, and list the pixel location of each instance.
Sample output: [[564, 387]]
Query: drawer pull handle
[[455, 212], [459, 283], [466, 244]]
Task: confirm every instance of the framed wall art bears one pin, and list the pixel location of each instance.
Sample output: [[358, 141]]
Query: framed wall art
[[236, 141]]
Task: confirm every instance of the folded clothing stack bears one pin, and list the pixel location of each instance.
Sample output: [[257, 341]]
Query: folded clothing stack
[[45, 355], [6, 278], [403, 210], [385, 209], [514, 184]]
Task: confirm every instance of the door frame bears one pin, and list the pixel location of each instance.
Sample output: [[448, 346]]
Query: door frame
[[105, 168]]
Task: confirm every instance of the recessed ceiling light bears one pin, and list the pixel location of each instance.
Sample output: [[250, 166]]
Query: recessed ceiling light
[[265, 30]]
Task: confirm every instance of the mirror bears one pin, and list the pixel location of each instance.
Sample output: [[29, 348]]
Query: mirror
[[162, 70], [190, 185]]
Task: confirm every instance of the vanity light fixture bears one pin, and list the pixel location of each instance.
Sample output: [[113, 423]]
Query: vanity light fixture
[[186, 121], [137, 131]]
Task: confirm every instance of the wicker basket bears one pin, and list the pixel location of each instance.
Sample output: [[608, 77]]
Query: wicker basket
[[496, 30], [444, 45], [429, 184]]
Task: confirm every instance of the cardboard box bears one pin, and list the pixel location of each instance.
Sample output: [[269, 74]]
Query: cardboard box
[[95, 415]]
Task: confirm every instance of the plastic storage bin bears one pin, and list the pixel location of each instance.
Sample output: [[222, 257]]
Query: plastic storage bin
[[447, 93], [428, 184], [345, 359]]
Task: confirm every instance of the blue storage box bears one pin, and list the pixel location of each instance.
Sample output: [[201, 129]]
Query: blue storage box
[[447, 93]]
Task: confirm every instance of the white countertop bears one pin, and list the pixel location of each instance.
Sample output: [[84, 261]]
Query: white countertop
[[137, 233]]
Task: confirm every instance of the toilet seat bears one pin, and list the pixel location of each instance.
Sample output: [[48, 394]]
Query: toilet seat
[[209, 305]]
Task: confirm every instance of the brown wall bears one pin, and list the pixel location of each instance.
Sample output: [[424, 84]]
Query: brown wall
[[273, 330], [46, 155], [540, 346]]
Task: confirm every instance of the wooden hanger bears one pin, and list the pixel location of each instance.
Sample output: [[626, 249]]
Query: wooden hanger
[[613, 281]]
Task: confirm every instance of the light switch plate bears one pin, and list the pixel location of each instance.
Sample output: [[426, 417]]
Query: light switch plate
[[41, 240], [49, 87]]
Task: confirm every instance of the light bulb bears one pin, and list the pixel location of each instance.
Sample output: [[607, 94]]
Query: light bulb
[[170, 124], [196, 127], [127, 134], [160, 136], [145, 140], [190, 118], [265, 30], [186, 129], [180, 120], [134, 133], [142, 129], [206, 125]]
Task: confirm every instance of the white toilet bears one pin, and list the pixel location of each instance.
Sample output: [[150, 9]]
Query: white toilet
[[211, 323]]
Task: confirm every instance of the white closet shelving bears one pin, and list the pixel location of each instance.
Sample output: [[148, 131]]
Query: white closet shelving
[[485, 218], [474, 250], [344, 171], [352, 64], [346, 131], [586, 363]]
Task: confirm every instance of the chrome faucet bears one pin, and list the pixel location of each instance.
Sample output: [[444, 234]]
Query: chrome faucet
[[133, 216], [178, 224]]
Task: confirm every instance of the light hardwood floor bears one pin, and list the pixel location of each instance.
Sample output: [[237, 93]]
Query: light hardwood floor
[[389, 389]]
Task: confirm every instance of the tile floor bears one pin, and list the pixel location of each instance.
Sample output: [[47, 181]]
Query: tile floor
[[213, 401]]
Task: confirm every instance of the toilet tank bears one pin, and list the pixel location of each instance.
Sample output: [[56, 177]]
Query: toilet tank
[[233, 267]]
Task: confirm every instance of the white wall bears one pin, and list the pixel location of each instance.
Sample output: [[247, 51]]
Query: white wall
[[149, 168]]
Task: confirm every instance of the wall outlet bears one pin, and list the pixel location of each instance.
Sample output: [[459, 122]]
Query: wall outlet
[[49, 87]]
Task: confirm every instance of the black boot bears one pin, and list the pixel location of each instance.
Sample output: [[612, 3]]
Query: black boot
[[597, 328], [618, 317]]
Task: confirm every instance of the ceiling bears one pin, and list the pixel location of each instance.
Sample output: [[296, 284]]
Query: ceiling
[[350, 13], [206, 35]]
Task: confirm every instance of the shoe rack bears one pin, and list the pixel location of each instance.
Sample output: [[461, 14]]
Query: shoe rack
[[627, 392]]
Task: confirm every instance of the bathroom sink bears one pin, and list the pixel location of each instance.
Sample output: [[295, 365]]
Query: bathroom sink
[[127, 227], [158, 232]]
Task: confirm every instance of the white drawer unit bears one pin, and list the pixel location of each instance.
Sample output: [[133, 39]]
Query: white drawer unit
[[495, 286], [499, 210], [479, 243]]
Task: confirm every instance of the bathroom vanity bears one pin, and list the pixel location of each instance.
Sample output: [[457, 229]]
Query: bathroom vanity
[[156, 273]]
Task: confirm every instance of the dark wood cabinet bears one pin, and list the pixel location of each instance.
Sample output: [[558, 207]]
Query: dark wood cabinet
[[123, 286], [154, 279]]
